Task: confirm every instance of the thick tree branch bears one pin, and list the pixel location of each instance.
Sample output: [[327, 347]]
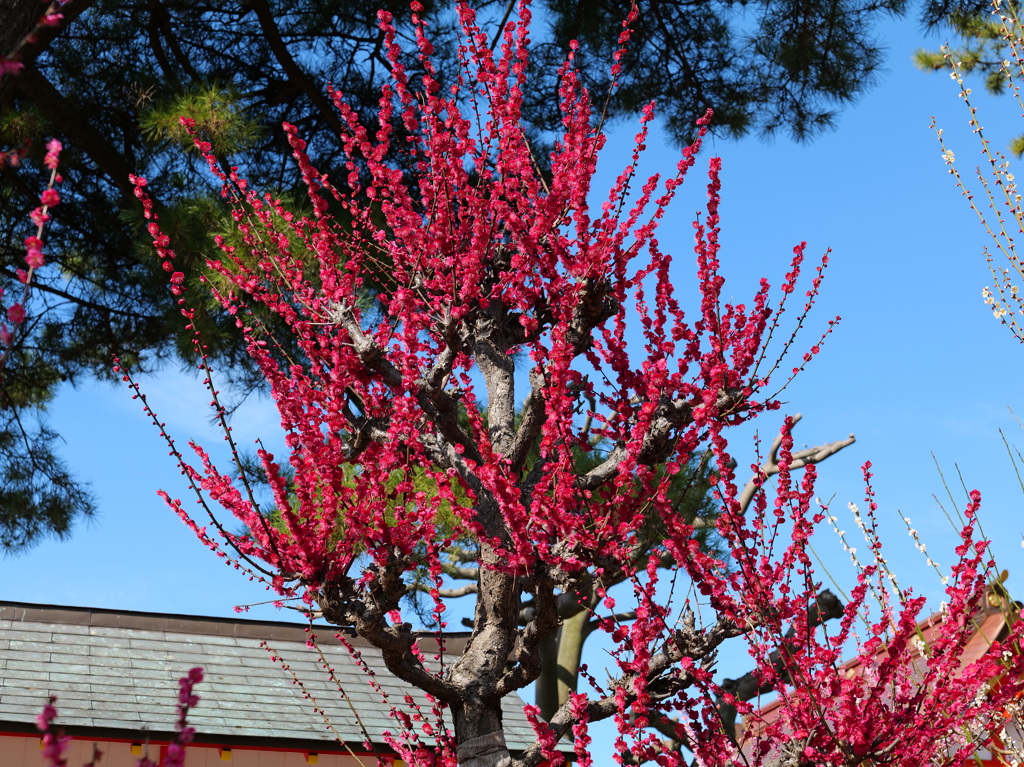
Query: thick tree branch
[[18, 20], [801, 458], [434, 381], [629, 615], [530, 424], [659, 441], [439, 406], [462, 573], [770, 468], [527, 657], [23, 37], [746, 688], [370, 353], [593, 307], [462, 591], [496, 366], [343, 604]]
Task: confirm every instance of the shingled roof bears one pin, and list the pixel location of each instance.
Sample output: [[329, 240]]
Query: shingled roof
[[115, 675]]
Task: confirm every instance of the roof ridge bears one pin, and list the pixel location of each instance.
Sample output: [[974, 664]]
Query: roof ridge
[[185, 624]]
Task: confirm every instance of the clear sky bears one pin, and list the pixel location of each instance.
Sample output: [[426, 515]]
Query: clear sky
[[917, 367]]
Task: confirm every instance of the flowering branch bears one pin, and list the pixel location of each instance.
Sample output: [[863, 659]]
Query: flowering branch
[[1003, 217], [34, 257]]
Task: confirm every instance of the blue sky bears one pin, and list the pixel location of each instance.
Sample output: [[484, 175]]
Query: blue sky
[[917, 367]]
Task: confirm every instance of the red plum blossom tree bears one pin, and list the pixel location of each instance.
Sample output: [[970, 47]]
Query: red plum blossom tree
[[517, 331]]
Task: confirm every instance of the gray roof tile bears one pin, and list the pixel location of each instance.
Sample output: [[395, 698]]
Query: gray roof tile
[[120, 671]]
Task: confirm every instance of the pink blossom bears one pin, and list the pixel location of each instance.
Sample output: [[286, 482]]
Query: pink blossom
[[50, 197], [47, 715], [34, 258], [54, 744], [38, 217], [16, 314], [53, 150]]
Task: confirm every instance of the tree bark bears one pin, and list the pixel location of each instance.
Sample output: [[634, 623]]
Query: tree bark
[[477, 715], [570, 652], [484, 751], [546, 689]]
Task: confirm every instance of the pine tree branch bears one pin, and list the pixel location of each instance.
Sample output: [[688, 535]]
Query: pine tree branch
[[76, 126], [292, 69]]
